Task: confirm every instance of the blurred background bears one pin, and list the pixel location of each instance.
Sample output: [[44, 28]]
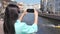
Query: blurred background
[[48, 12]]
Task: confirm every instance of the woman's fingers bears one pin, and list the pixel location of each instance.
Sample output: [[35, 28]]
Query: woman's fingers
[[25, 11]]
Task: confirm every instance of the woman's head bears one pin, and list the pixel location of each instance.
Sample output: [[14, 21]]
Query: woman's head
[[11, 15], [11, 12]]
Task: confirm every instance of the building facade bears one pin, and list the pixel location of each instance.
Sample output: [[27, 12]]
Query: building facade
[[54, 6], [43, 5], [51, 6], [57, 6]]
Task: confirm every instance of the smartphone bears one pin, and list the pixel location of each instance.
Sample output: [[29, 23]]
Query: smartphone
[[30, 10]]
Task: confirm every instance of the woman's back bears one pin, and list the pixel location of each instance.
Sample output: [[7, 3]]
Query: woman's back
[[23, 28]]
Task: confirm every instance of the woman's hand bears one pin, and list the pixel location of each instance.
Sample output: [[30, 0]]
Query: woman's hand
[[36, 17], [25, 12]]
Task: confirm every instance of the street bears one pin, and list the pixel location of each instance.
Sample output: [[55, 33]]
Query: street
[[43, 24]]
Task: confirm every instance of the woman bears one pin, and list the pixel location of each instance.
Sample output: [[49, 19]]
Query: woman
[[13, 24], [11, 15]]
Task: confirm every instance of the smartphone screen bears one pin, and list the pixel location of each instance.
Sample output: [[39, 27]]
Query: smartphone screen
[[30, 10]]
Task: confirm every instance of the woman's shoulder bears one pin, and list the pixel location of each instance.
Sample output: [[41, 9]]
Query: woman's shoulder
[[19, 22]]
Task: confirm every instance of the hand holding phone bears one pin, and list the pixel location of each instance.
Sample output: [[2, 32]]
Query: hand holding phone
[[30, 10]]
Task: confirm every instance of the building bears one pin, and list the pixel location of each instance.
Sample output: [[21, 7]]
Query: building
[[57, 6], [51, 6], [54, 6], [43, 5]]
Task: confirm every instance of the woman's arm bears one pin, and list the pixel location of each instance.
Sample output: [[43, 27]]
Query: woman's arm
[[36, 17], [23, 14]]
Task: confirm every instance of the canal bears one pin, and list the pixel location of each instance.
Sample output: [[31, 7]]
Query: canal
[[45, 25]]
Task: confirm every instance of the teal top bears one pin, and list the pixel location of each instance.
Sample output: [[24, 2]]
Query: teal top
[[23, 28]]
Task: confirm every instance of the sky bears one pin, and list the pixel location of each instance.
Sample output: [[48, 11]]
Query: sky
[[29, 1]]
